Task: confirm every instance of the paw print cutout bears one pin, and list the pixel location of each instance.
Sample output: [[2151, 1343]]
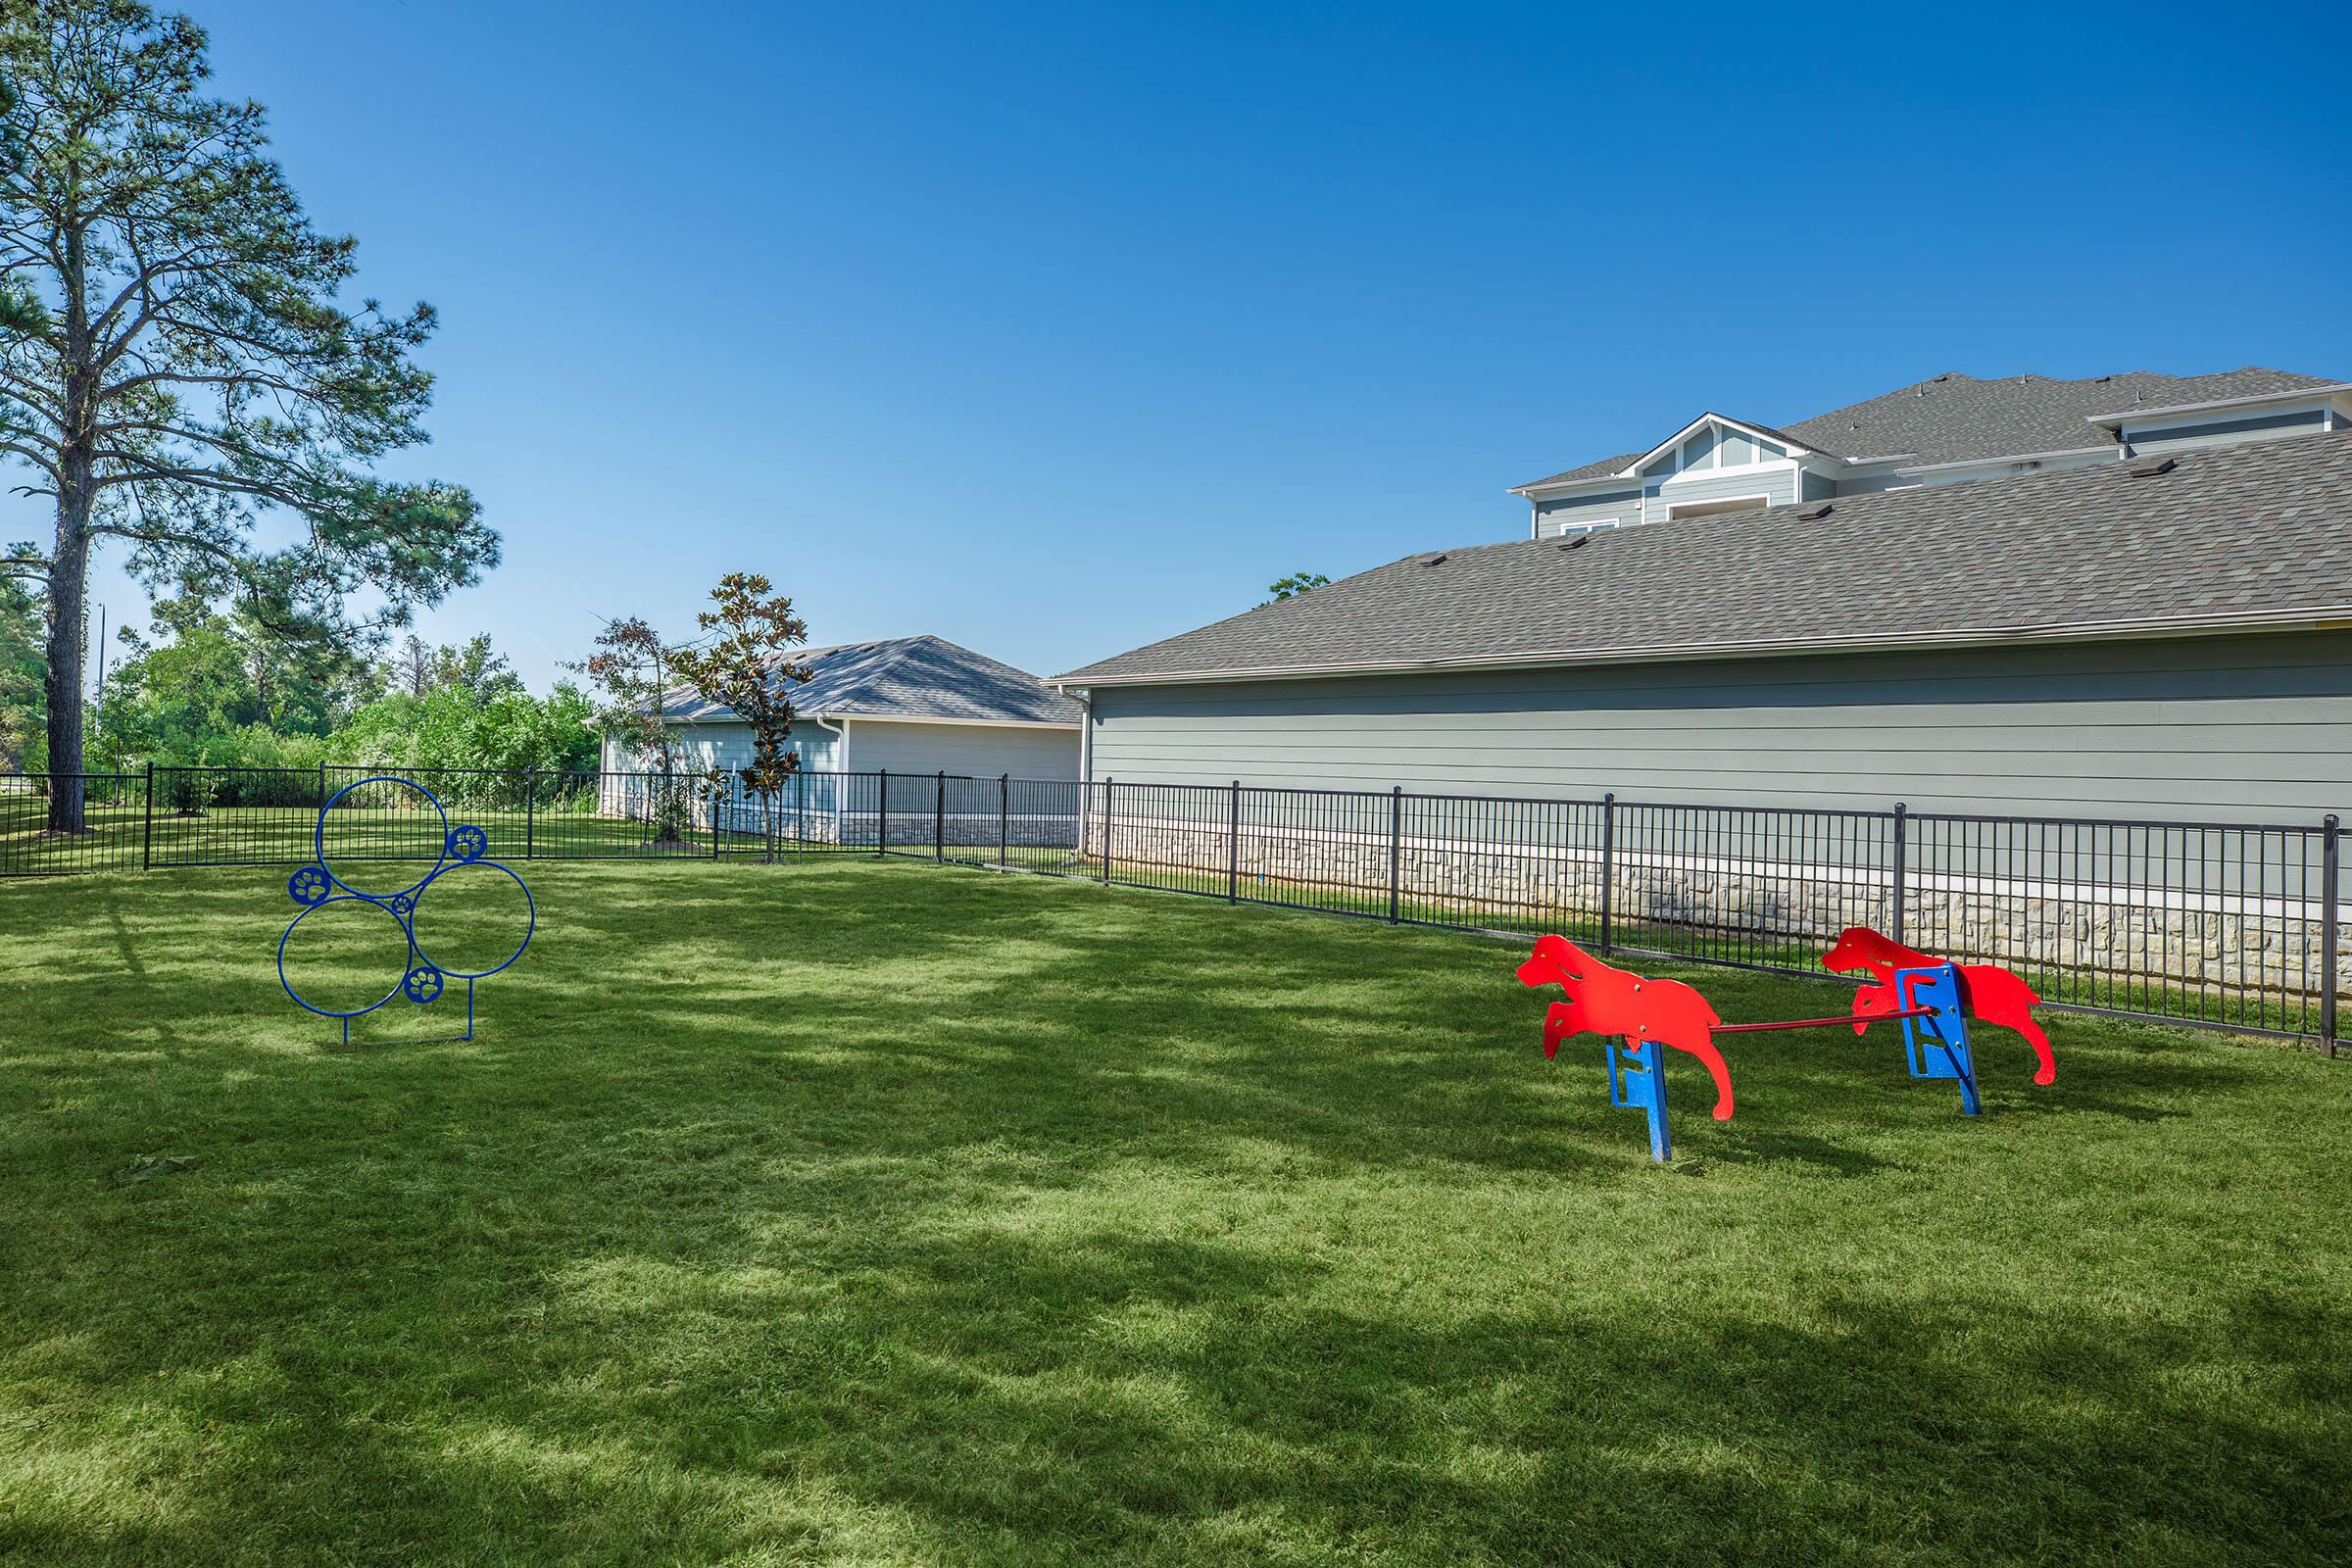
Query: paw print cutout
[[422, 985], [468, 842], [403, 905], [306, 886]]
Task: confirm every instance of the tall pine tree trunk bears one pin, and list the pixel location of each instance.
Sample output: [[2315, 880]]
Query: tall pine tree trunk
[[66, 592], [70, 568]]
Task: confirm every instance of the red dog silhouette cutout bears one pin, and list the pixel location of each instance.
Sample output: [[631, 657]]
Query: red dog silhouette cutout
[[1991, 994], [1606, 1000]]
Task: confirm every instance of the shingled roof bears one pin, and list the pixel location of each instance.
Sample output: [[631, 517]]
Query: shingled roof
[[1957, 418], [2239, 537], [906, 678]]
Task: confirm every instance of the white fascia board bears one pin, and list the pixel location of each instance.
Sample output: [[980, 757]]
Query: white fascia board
[[1553, 487], [828, 718], [976, 723], [2326, 618], [2332, 392], [1633, 470], [1795, 450]]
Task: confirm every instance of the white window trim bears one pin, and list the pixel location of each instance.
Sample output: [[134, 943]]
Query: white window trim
[[1567, 531]]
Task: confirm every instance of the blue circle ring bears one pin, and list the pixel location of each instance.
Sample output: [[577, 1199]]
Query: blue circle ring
[[531, 925], [319, 846], [304, 1002]]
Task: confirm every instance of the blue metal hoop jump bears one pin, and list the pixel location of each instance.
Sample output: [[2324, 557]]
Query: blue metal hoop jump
[[421, 979]]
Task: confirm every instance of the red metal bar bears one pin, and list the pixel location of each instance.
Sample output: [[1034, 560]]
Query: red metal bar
[[1820, 1023]]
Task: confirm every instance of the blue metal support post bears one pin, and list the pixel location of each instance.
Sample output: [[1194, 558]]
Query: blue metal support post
[[1637, 1082]]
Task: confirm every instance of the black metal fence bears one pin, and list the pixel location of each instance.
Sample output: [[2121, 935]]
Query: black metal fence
[[2230, 925]]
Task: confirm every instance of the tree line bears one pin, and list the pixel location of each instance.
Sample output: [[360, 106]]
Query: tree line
[[204, 687]]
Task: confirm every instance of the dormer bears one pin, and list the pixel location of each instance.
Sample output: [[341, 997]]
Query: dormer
[[1948, 429], [1713, 465], [2225, 421]]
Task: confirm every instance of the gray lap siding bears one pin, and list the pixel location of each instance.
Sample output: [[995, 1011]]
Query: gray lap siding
[[978, 751], [2240, 728], [1622, 507]]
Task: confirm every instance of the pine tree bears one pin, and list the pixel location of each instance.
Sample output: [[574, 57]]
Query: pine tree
[[177, 357]]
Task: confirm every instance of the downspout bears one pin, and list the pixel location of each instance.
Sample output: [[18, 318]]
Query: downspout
[[1084, 699], [841, 769], [1086, 732]]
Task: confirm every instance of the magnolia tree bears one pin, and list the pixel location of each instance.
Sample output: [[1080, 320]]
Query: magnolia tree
[[179, 360], [745, 663], [631, 673]]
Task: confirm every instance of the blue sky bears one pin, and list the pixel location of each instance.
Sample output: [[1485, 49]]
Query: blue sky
[[1054, 330]]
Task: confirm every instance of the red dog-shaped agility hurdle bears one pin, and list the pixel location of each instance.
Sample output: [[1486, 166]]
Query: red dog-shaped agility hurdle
[[1991, 994], [1606, 1000]]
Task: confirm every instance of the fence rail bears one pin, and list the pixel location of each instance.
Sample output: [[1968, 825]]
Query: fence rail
[[2230, 925]]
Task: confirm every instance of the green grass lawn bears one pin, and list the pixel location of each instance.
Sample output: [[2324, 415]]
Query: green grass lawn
[[860, 1212]]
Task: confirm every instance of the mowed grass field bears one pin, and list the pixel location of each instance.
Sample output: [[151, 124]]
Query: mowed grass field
[[875, 1212]]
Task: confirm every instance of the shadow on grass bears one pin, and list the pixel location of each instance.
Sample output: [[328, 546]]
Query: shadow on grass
[[899, 1214]]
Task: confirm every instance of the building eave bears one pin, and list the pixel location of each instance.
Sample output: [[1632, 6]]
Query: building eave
[[832, 715], [2332, 617], [976, 723], [2326, 392], [1615, 480]]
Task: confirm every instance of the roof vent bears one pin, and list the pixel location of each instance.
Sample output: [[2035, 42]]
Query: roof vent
[[2149, 470], [1816, 511], [1434, 561], [1576, 541]]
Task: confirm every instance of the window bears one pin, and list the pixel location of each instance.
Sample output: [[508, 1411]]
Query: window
[[1569, 530], [1716, 508]]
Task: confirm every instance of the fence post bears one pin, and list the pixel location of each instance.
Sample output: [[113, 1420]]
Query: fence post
[[882, 816], [1608, 863], [1233, 849], [1003, 821], [531, 814], [1107, 832], [1901, 816], [2329, 927], [939, 819], [147, 823], [1396, 851]]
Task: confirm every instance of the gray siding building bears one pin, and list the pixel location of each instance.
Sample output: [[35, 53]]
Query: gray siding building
[[2253, 727], [2162, 631], [905, 704]]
